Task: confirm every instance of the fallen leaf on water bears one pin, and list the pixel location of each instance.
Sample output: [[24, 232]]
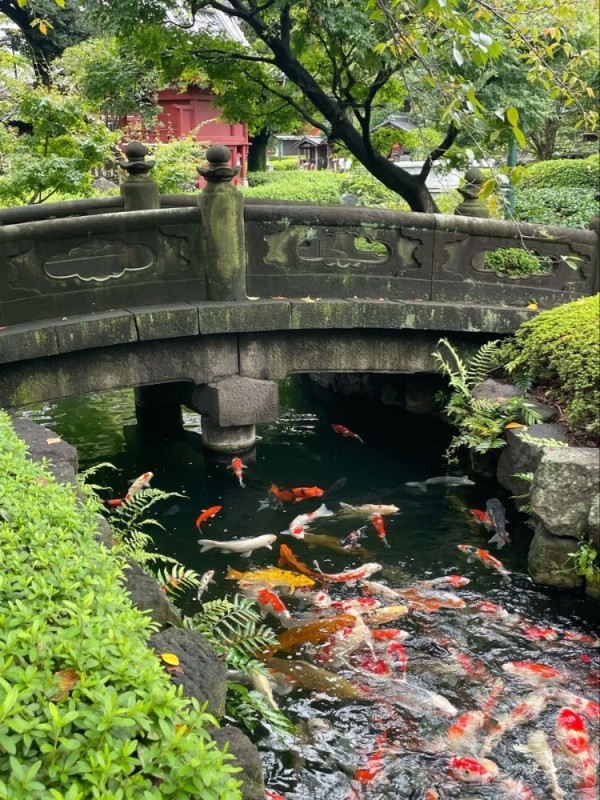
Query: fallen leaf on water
[[53, 440], [170, 658], [63, 681]]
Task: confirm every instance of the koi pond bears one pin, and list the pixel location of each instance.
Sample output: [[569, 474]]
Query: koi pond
[[436, 676]]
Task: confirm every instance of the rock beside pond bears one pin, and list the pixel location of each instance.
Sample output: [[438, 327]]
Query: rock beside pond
[[42, 443], [548, 560], [204, 676], [524, 456], [564, 492], [247, 757], [145, 593]]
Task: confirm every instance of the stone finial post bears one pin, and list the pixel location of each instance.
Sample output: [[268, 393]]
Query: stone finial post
[[222, 209], [472, 206], [139, 191]]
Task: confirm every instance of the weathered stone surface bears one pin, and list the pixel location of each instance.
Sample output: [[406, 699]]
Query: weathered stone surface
[[42, 444], [204, 676], [521, 456], [247, 757], [28, 340], [100, 330], [233, 439], [564, 488], [548, 560], [146, 594], [166, 321], [495, 391], [243, 317], [592, 588], [238, 401]]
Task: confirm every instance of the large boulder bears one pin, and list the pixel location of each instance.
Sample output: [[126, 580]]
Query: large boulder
[[247, 757], [564, 492], [203, 675], [524, 456], [549, 562], [145, 593]]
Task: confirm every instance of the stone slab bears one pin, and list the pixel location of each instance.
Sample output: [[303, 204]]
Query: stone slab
[[549, 562], [237, 401], [243, 317], [45, 445], [165, 321], [27, 340], [103, 329]]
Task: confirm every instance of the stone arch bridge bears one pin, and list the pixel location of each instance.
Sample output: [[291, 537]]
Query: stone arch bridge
[[205, 300]]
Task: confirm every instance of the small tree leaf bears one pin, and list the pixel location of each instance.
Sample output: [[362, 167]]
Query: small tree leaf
[[512, 115], [170, 658]]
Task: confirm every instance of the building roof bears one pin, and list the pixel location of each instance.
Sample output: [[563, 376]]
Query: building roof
[[211, 21], [289, 137], [400, 122], [313, 140]]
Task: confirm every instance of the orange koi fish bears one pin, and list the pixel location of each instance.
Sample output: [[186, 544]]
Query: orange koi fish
[[270, 577], [377, 522], [349, 576], [297, 494], [314, 632], [387, 634], [536, 634], [472, 770], [207, 514], [143, 482], [237, 466], [537, 674], [114, 503], [481, 517], [343, 431], [486, 558], [287, 558]]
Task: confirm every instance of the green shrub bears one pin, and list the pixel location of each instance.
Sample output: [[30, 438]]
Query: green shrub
[[176, 163], [284, 164], [573, 208], [370, 191], [562, 173], [560, 349], [260, 178], [323, 186], [515, 262], [85, 710]]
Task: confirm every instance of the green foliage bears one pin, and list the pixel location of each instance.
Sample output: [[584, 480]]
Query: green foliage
[[538, 441], [64, 144], [562, 173], [323, 186], [480, 422], [86, 711], [568, 206], [284, 164], [176, 163], [370, 191], [559, 349], [515, 261], [585, 560], [235, 630]]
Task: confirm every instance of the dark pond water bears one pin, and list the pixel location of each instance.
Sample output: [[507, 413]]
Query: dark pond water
[[398, 739]]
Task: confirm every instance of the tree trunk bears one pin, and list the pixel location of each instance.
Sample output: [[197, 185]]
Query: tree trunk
[[257, 154]]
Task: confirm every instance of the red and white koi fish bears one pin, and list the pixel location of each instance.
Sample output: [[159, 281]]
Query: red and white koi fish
[[539, 749], [536, 634], [493, 609], [473, 667], [143, 482], [486, 558], [300, 524], [270, 794], [444, 581], [270, 603], [524, 712], [514, 789], [372, 587], [582, 638], [572, 736], [536, 674], [204, 581], [389, 634], [472, 770], [349, 576], [481, 517], [589, 708], [463, 732], [344, 641], [343, 431], [208, 513], [353, 538], [395, 657], [237, 466], [377, 522], [355, 604]]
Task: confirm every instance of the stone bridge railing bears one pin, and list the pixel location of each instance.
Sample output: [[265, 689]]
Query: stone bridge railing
[[85, 257]]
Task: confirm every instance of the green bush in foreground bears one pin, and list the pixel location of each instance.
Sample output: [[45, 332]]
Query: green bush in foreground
[[85, 710], [516, 262], [560, 349]]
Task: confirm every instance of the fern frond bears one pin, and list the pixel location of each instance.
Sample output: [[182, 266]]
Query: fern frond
[[250, 708], [177, 578], [482, 363]]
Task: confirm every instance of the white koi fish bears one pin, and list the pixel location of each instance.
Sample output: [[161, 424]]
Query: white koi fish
[[143, 482], [204, 581], [368, 510], [349, 576], [241, 546], [299, 525], [539, 749]]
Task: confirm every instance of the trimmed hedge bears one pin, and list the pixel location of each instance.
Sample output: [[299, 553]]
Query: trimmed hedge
[[86, 711], [515, 262], [563, 173], [560, 349], [322, 186], [573, 208]]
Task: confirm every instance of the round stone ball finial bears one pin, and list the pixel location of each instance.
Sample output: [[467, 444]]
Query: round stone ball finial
[[218, 170], [136, 163], [474, 180], [472, 205]]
